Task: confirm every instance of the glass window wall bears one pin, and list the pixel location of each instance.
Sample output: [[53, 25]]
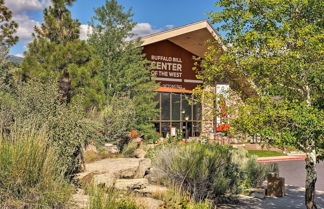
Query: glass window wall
[[174, 110]]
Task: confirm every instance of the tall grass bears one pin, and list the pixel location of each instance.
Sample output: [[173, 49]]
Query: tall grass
[[108, 198], [30, 172]]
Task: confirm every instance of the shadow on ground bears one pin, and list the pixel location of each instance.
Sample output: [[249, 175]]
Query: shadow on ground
[[294, 199]]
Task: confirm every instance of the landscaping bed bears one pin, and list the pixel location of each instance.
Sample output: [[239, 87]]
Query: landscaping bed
[[265, 153]]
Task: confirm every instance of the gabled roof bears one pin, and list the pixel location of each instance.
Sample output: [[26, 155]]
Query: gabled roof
[[191, 37]]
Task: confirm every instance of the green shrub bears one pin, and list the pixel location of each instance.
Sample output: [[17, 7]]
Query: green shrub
[[130, 148], [256, 172], [30, 175], [118, 119], [204, 171], [208, 171], [253, 172], [108, 198]]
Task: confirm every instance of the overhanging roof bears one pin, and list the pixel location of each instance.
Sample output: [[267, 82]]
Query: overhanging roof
[[191, 37]]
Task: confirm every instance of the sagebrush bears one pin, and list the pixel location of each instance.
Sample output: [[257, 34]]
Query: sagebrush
[[209, 171]]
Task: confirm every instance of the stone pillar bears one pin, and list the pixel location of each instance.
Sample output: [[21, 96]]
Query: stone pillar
[[208, 111]]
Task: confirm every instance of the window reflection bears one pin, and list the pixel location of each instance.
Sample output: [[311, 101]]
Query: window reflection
[[174, 110], [165, 104], [176, 106]]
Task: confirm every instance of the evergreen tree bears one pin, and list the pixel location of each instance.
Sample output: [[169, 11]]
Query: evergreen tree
[[57, 52], [124, 69], [8, 28]]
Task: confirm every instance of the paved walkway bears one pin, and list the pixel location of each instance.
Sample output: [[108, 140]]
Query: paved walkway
[[294, 199]]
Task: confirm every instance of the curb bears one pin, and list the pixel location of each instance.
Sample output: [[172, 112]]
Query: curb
[[281, 159]]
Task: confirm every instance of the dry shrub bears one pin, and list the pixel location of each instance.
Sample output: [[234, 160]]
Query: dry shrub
[[31, 175]]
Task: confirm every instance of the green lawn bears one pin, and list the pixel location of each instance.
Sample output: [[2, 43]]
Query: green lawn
[[265, 153]]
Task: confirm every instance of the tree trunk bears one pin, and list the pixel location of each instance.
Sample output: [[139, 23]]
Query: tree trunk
[[65, 87], [311, 177]]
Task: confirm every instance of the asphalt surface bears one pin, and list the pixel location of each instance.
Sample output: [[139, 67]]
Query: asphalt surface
[[294, 199], [295, 174]]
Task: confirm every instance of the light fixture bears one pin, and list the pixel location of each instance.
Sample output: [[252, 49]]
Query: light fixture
[[183, 112], [186, 118]]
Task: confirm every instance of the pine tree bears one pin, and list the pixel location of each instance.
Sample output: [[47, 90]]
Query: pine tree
[[124, 69], [56, 51], [8, 27]]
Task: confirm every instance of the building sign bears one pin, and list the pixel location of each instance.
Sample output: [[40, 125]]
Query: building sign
[[171, 65]]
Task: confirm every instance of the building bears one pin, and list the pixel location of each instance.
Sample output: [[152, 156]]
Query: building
[[172, 54]]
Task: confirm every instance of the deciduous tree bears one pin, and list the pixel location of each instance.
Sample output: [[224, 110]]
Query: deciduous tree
[[278, 47]]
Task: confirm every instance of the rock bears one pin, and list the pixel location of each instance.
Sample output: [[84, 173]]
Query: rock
[[112, 165], [131, 184], [143, 167], [104, 179], [139, 153], [154, 175], [152, 189], [257, 192], [113, 149], [96, 177], [80, 201], [91, 147], [85, 178], [128, 173], [148, 203], [105, 172]]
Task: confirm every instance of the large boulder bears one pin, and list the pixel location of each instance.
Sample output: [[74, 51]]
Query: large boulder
[[129, 173], [143, 168], [104, 179], [113, 149], [139, 153], [154, 175], [85, 178], [152, 189], [105, 172], [131, 184], [79, 201], [113, 165]]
